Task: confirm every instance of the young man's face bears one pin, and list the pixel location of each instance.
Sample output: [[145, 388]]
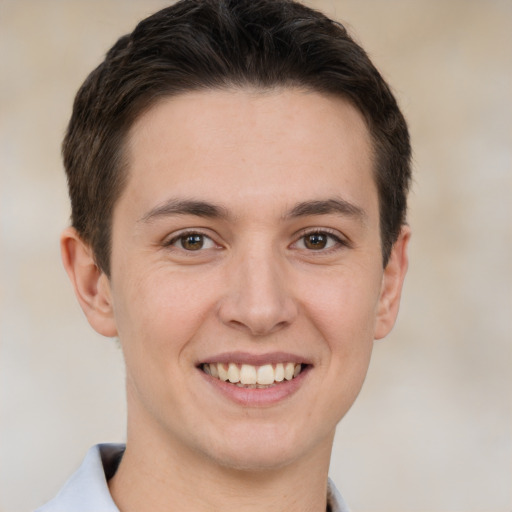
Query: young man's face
[[247, 240]]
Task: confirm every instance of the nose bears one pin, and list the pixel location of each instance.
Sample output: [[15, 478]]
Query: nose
[[258, 296]]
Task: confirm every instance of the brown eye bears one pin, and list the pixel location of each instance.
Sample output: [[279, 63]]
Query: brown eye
[[316, 241], [319, 241], [193, 242]]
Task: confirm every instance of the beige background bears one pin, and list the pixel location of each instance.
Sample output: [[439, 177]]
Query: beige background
[[431, 430]]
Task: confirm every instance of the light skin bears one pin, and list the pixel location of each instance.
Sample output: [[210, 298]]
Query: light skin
[[248, 233]]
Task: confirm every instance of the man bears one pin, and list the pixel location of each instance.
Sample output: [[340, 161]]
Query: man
[[238, 173]]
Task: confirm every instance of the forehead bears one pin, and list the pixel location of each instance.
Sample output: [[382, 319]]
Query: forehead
[[250, 143]]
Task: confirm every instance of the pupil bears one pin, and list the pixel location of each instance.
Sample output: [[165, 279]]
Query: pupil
[[316, 241], [192, 242]]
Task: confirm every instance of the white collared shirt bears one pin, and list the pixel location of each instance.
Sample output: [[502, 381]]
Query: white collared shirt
[[87, 490]]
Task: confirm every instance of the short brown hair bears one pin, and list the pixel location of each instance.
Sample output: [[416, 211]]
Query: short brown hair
[[211, 44]]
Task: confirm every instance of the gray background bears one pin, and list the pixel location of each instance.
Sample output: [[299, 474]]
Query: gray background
[[431, 430]]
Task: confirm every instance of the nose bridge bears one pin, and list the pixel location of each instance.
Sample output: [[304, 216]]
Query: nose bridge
[[258, 296]]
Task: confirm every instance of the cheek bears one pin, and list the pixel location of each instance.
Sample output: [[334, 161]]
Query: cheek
[[343, 305], [159, 311], [343, 312]]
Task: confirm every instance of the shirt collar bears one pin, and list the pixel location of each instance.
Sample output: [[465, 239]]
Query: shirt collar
[[87, 490]]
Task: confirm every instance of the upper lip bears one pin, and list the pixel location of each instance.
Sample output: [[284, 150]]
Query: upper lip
[[255, 359]]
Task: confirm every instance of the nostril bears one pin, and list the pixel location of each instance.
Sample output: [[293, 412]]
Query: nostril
[[256, 322], [238, 325], [257, 300]]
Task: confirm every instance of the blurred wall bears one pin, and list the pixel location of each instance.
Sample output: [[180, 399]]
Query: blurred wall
[[431, 430]]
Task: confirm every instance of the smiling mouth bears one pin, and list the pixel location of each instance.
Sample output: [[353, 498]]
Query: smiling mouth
[[249, 376]]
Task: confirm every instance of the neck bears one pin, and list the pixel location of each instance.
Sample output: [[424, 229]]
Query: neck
[[166, 476]]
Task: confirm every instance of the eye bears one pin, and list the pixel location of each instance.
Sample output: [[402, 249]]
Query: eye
[[192, 242], [318, 241]]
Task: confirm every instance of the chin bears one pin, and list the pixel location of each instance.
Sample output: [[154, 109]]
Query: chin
[[254, 461], [260, 448]]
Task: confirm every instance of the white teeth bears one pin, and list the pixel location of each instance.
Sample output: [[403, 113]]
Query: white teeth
[[251, 376], [279, 376], [289, 370], [223, 373], [248, 374], [233, 373], [266, 374]]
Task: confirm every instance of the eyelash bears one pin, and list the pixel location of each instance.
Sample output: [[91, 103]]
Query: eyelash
[[339, 242], [333, 236], [184, 234]]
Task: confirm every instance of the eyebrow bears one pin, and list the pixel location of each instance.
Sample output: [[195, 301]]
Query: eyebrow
[[214, 211], [186, 207], [323, 207]]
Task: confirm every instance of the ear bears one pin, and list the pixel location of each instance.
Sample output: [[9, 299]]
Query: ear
[[392, 281], [92, 286]]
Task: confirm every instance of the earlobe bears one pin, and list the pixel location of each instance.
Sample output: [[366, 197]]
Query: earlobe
[[91, 285], [392, 282]]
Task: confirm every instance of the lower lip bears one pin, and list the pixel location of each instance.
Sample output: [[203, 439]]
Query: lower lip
[[257, 397]]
